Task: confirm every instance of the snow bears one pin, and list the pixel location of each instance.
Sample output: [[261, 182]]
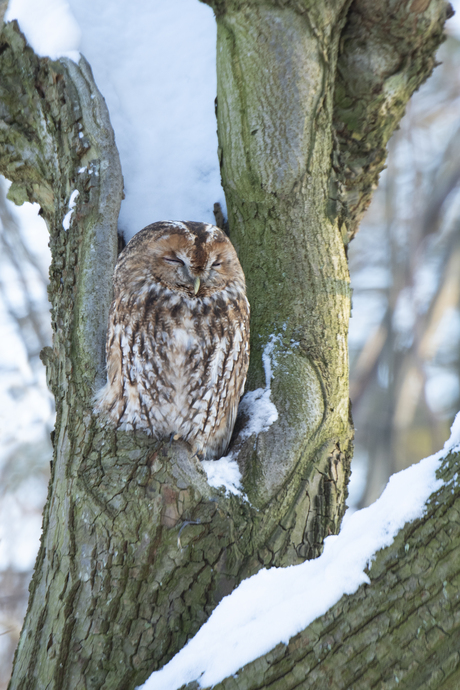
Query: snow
[[257, 405], [223, 473], [274, 605], [155, 66], [260, 413], [260, 410], [49, 26], [71, 206]]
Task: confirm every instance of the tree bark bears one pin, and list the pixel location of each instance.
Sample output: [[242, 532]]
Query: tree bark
[[402, 630], [387, 51], [137, 548], [275, 92]]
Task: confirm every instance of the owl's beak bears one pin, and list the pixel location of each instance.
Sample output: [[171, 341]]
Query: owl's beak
[[196, 284]]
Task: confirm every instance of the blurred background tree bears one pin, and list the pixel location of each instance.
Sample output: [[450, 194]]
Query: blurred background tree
[[26, 410], [405, 274], [404, 332]]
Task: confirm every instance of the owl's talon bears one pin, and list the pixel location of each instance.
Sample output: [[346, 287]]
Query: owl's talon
[[173, 436], [199, 454]]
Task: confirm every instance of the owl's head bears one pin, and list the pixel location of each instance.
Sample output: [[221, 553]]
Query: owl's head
[[195, 259]]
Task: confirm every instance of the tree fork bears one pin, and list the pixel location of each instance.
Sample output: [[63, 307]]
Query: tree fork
[[137, 548], [134, 537]]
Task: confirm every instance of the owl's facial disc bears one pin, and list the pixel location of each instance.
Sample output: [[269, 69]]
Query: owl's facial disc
[[180, 274], [197, 273], [198, 264]]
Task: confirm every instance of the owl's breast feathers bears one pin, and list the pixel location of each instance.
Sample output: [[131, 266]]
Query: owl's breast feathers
[[176, 363]]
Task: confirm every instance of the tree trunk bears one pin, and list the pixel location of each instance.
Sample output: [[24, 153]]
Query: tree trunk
[[274, 112], [137, 548]]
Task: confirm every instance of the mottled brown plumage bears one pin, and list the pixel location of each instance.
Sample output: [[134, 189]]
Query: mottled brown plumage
[[178, 336]]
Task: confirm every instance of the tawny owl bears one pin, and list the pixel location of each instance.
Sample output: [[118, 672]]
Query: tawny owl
[[178, 336]]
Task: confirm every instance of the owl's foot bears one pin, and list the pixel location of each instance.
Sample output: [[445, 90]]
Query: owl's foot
[[199, 454], [173, 437]]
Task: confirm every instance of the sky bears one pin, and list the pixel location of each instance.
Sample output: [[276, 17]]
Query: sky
[[155, 65]]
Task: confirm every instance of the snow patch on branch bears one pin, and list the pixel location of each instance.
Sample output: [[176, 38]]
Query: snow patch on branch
[[276, 604], [49, 27], [224, 473]]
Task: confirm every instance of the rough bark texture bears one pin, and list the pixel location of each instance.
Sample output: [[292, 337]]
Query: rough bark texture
[[137, 548], [307, 99], [402, 630]]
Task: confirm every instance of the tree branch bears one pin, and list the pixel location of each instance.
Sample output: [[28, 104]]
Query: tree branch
[[55, 138], [401, 631], [386, 52]]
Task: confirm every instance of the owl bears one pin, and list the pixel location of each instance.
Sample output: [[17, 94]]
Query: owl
[[178, 337]]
